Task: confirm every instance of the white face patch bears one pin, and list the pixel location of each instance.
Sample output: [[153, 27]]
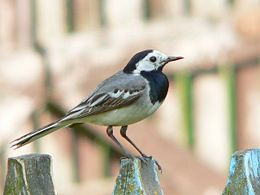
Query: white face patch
[[147, 64]]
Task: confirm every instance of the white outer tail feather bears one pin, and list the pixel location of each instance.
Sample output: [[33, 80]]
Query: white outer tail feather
[[34, 135]]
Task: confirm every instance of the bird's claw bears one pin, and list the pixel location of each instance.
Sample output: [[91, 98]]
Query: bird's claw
[[144, 158]]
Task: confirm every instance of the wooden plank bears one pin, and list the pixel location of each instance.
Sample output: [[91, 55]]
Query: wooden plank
[[29, 174], [137, 177], [244, 173]]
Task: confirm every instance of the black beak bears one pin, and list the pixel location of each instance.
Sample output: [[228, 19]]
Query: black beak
[[172, 58]]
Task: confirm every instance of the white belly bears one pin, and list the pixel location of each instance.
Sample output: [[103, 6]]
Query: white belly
[[124, 116]]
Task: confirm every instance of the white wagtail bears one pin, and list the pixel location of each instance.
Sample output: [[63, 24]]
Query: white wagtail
[[126, 97]]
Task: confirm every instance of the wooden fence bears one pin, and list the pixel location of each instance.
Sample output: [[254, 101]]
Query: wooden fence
[[31, 174]]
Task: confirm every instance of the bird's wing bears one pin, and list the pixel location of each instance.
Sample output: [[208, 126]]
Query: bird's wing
[[116, 92]]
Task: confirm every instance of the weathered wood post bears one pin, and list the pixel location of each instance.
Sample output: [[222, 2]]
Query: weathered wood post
[[137, 177], [244, 173], [29, 174]]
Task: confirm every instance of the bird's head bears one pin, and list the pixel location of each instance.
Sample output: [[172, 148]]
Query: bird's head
[[148, 60]]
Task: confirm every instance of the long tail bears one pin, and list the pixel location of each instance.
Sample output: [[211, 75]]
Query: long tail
[[38, 133]]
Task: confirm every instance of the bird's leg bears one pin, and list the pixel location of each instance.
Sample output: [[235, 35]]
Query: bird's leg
[[123, 134], [144, 159], [110, 134]]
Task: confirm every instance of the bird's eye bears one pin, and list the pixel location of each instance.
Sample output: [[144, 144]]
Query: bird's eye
[[153, 59]]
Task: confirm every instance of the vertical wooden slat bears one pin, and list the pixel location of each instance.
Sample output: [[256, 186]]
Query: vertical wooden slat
[[229, 73], [231, 2], [184, 85], [75, 155], [146, 10], [232, 109], [103, 20], [70, 16], [33, 23], [187, 7], [107, 154]]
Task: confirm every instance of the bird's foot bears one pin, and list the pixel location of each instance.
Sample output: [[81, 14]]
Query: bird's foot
[[144, 158]]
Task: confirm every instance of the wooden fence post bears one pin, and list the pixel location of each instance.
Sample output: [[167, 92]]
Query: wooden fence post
[[29, 174], [244, 173], [137, 177]]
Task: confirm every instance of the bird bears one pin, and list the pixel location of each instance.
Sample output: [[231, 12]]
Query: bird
[[129, 96]]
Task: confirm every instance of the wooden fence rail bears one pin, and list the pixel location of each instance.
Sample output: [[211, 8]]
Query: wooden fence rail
[[31, 174]]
